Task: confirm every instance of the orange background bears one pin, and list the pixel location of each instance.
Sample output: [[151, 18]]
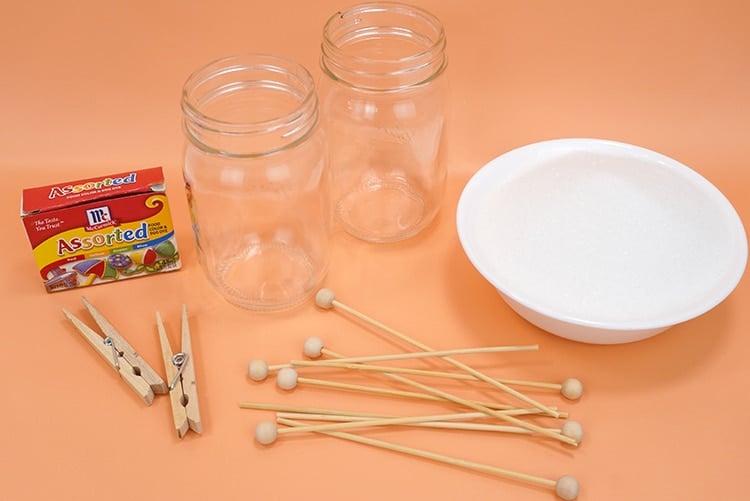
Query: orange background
[[92, 87]]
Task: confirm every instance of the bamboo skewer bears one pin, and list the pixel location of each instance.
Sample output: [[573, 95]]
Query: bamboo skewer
[[448, 396], [266, 431], [354, 414], [429, 354], [566, 486], [568, 387], [449, 421], [296, 419], [301, 409], [325, 298], [414, 355], [288, 379], [491, 412]]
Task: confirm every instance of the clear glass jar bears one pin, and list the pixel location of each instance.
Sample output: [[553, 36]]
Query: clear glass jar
[[383, 108], [256, 179]]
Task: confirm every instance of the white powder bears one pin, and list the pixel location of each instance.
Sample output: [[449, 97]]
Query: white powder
[[604, 238]]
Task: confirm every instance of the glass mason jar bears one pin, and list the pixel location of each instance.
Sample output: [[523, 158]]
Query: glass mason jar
[[383, 108], [256, 179]]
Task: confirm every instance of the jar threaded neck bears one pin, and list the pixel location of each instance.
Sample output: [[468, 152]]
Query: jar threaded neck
[[383, 46], [249, 105]]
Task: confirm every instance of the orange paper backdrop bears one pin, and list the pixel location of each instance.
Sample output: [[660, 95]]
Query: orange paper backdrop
[[92, 87]]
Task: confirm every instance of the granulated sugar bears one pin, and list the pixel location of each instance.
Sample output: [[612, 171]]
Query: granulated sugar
[[603, 238]]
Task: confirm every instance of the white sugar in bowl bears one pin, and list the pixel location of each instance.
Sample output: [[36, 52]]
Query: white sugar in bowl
[[600, 241]]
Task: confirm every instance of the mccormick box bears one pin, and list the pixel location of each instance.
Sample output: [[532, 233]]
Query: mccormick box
[[101, 229]]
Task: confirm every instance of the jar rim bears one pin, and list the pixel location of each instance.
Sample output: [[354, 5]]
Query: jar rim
[[237, 62], [332, 52], [247, 130]]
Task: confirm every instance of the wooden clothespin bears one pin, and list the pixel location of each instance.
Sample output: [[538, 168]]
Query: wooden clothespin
[[183, 393], [120, 355]]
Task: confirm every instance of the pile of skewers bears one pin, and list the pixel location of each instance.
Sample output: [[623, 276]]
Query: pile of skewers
[[469, 415]]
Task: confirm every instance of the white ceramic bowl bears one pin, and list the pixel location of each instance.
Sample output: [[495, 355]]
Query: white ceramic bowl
[[599, 241]]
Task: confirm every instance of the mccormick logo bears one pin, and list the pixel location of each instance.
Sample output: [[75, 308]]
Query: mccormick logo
[[98, 218], [61, 191]]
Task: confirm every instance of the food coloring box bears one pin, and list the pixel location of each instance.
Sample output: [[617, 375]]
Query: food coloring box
[[101, 229]]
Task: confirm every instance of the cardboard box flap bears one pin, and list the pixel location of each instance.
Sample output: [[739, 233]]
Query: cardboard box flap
[[56, 196]]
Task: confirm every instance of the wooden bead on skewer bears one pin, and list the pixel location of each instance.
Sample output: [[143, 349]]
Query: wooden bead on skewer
[[257, 370], [325, 298], [572, 429], [287, 378], [266, 432], [571, 389], [313, 347], [567, 488]]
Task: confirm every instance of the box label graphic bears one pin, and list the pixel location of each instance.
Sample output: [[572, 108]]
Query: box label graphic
[[100, 230]]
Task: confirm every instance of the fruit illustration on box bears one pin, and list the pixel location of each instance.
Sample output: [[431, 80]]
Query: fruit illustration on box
[[96, 267], [166, 249], [146, 257], [153, 259]]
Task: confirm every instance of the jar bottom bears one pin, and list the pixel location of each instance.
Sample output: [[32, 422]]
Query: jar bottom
[[266, 277], [383, 212]]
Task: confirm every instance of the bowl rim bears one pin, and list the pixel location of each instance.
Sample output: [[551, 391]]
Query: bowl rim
[[556, 147]]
